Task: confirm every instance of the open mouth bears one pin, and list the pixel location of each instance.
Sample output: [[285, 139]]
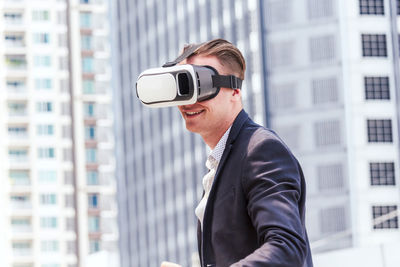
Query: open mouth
[[193, 113]]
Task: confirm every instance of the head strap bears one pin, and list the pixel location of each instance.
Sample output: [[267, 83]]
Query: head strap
[[188, 52], [227, 81]]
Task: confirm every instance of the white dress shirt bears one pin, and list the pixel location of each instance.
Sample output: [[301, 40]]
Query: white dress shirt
[[212, 164]]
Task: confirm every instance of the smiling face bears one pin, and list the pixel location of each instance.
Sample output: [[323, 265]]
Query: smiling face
[[211, 118]]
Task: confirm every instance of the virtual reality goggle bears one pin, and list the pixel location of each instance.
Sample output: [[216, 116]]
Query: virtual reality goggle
[[174, 85]]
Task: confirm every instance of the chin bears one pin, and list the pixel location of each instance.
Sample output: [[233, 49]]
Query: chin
[[192, 128]]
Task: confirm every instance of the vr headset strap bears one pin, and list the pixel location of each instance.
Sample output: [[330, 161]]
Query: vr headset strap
[[227, 81], [184, 55]]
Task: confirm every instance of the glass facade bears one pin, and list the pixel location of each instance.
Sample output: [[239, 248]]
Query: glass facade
[[161, 164], [311, 76]]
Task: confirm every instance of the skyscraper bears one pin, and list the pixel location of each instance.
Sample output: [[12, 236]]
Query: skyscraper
[[160, 164], [322, 73], [57, 162]]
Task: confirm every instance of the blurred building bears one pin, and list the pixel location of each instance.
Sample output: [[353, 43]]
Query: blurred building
[[324, 74], [160, 164], [57, 163]]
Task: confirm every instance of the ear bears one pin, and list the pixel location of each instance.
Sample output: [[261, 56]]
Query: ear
[[236, 95]]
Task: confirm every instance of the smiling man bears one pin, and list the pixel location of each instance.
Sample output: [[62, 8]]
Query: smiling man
[[253, 207]]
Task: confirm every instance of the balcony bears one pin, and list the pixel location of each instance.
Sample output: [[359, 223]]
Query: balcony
[[16, 62], [22, 248], [16, 86], [18, 156], [12, 40], [18, 111], [18, 132], [13, 18], [21, 225], [20, 202]]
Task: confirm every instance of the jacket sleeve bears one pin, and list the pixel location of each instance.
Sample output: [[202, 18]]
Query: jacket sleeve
[[271, 181]]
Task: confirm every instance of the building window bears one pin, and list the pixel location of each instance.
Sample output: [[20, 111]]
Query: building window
[[88, 109], [46, 153], [13, 18], [42, 61], [88, 86], [18, 155], [91, 155], [17, 108], [70, 224], [50, 265], [382, 173], [63, 63], [86, 42], [330, 177], [47, 177], [94, 245], [372, 7], [18, 131], [379, 131], [385, 217], [40, 15], [93, 201], [322, 48], [44, 107], [16, 85], [90, 132], [376, 88], [87, 64], [94, 224], [374, 45], [45, 129], [398, 7], [20, 201], [19, 177], [64, 85], [49, 246], [43, 84], [86, 20], [92, 177], [48, 199], [327, 133], [48, 222], [333, 220], [21, 224], [325, 90], [22, 248], [14, 39], [15, 62], [317, 9], [41, 38]]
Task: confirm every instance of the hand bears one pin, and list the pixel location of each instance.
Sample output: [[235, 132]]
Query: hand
[[169, 264]]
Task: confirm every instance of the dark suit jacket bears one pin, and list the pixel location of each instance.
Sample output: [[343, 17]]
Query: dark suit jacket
[[255, 211]]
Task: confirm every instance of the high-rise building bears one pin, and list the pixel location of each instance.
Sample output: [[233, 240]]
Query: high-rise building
[[324, 74], [333, 80], [160, 164], [57, 167]]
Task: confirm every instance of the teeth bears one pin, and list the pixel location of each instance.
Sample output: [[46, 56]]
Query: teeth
[[193, 113]]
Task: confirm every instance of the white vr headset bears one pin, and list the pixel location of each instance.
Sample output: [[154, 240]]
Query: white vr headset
[[175, 85]]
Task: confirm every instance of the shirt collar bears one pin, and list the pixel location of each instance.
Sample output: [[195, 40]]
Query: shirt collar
[[216, 154]]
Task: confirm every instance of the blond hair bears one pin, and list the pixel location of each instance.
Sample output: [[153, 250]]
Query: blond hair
[[228, 55]]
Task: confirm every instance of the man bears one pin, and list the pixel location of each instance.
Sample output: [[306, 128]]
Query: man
[[252, 210]]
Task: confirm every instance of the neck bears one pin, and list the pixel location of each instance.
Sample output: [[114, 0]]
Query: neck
[[212, 138]]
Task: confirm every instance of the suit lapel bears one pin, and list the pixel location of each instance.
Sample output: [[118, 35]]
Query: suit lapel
[[206, 234]]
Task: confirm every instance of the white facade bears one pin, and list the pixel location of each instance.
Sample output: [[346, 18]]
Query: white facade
[[56, 143], [319, 69]]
